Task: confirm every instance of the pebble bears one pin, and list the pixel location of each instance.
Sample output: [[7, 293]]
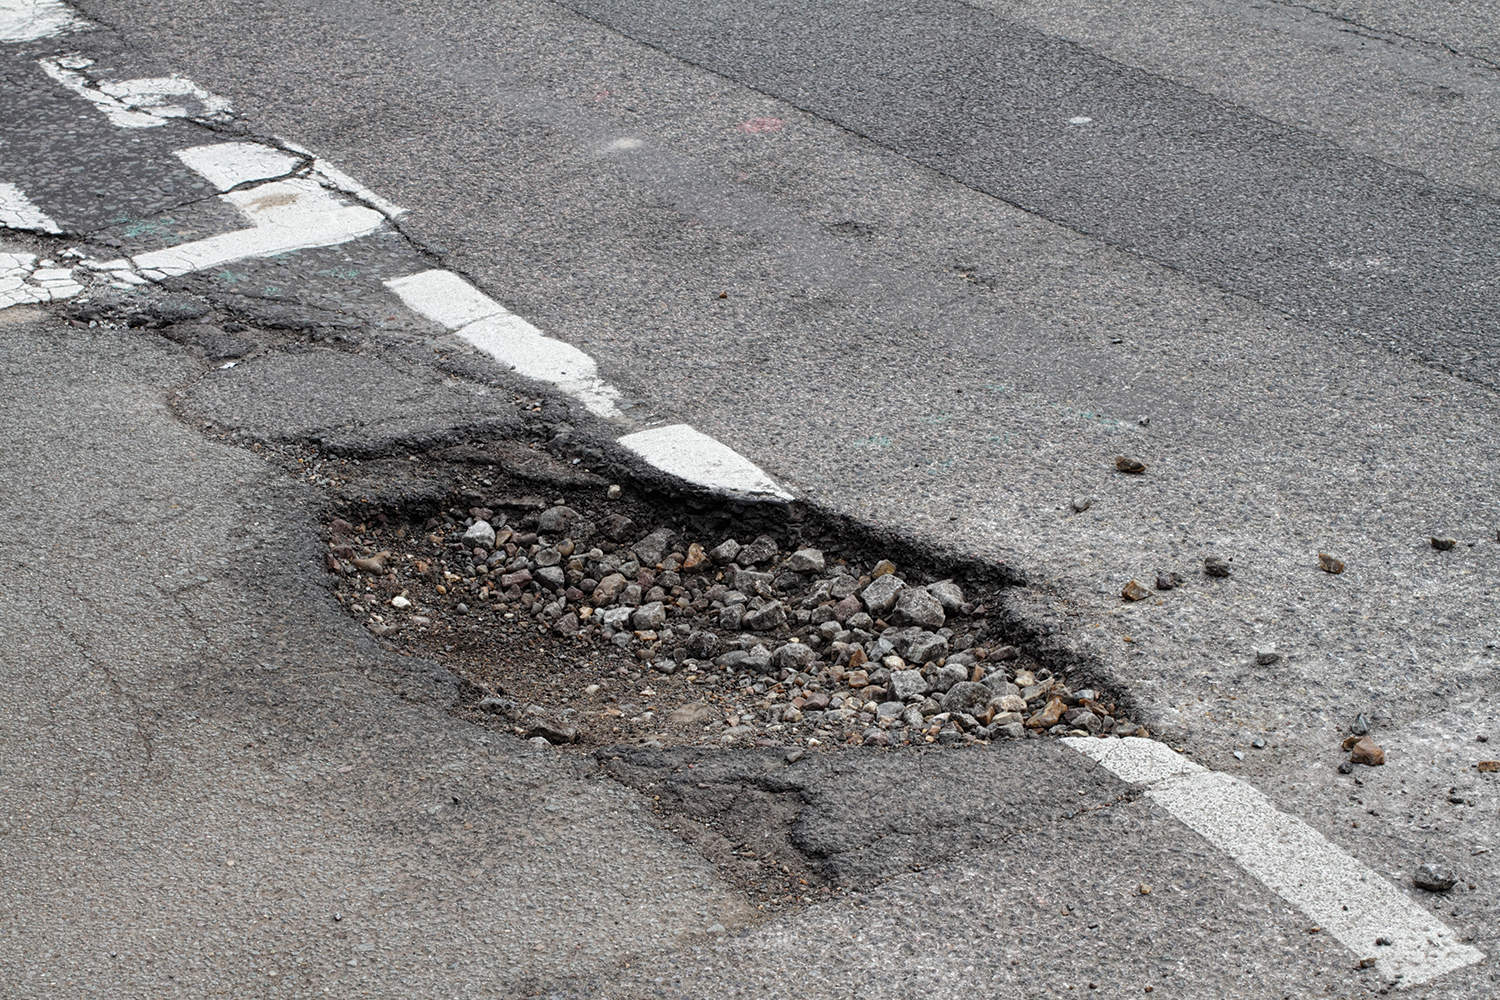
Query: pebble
[[1434, 877], [1129, 465], [1135, 592], [1168, 581], [400, 601], [1081, 504], [880, 596], [1330, 564], [480, 534], [917, 607], [805, 561], [1360, 726], [1366, 752], [613, 492], [1216, 567], [907, 684], [1267, 656], [1444, 544]]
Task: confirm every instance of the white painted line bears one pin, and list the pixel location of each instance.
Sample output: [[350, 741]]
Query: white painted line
[[1335, 891], [444, 298], [145, 103], [286, 215], [450, 301], [18, 212], [23, 281], [228, 164], [336, 178], [29, 20], [691, 455]]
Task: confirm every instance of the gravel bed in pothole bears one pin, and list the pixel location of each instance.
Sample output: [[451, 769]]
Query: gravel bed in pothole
[[575, 622]]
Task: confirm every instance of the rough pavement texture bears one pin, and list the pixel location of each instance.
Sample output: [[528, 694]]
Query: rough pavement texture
[[209, 784]]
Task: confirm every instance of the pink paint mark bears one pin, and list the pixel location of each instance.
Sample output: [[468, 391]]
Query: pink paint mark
[[761, 126]]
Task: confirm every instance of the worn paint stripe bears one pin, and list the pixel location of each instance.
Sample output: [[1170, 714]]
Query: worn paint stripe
[[1338, 893], [287, 215], [149, 102], [29, 20], [450, 301], [18, 212], [697, 458]]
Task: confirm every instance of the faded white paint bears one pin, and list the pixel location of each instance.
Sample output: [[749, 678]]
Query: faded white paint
[[18, 212], [29, 20], [335, 178], [296, 213], [691, 455], [144, 103], [24, 280], [1338, 893], [452, 302]]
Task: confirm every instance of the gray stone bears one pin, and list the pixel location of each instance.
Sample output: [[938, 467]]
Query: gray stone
[[725, 551], [762, 550], [880, 596], [615, 617], [1082, 718], [890, 709], [649, 616], [766, 619], [654, 547], [701, 645], [949, 675], [906, 684], [548, 557], [805, 561], [554, 732], [556, 520], [793, 656], [918, 607], [966, 696], [1434, 877], [552, 576], [758, 658], [1266, 657], [925, 647], [948, 594], [480, 534], [732, 617]]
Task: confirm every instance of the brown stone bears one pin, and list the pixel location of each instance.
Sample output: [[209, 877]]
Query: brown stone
[[1330, 564], [856, 678], [1488, 765], [857, 658], [1048, 716], [1135, 592], [1366, 752], [695, 557], [1129, 466], [882, 568]]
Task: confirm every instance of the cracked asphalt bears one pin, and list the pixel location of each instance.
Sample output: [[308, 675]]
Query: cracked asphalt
[[933, 266]]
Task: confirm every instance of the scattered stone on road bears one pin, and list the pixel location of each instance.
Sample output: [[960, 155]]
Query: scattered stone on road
[[1168, 581], [1129, 465], [1444, 544], [1216, 567], [1365, 751], [1434, 877], [1330, 564], [1267, 656], [1081, 504], [1135, 592]]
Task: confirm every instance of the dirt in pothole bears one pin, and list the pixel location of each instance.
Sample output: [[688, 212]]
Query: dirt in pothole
[[602, 615]]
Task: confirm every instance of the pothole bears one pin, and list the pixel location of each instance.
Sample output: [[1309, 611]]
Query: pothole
[[604, 615]]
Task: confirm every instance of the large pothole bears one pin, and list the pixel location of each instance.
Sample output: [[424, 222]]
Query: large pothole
[[605, 615]]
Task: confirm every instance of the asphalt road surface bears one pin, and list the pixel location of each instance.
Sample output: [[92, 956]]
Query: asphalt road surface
[[930, 265]]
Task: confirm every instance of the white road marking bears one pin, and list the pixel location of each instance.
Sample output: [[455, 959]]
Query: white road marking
[[24, 280], [1335, 891], [335, 178], [691, 455], [18, 212], [297, 213], [29, 20], [145, 103], [448, 300]]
